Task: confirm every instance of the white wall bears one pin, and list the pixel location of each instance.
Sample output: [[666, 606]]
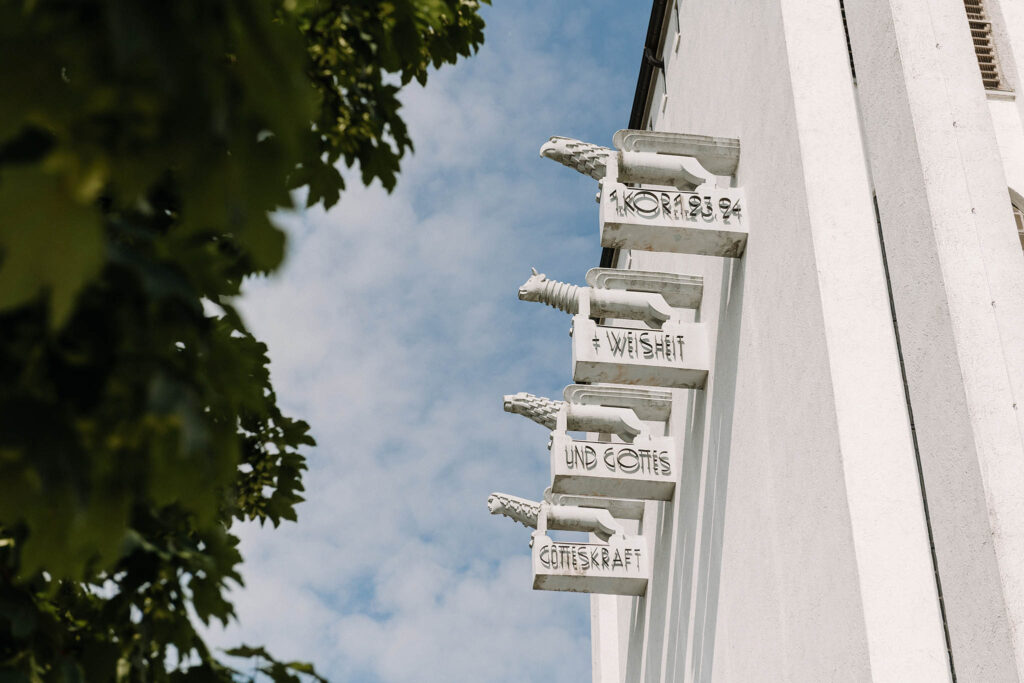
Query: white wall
[[797, 548], [958, 279]]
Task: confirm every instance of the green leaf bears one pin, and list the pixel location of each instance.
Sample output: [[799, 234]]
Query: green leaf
[[247, 651], [51, 242], [142, 148], [18, 611]]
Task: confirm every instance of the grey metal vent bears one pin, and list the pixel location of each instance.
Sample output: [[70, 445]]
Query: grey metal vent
[[984, 47]]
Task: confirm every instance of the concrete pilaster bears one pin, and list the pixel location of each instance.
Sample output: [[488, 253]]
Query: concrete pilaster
[[800, 540], [958, 287]]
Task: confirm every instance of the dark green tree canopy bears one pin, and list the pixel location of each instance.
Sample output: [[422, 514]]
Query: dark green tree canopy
[[143, 146]]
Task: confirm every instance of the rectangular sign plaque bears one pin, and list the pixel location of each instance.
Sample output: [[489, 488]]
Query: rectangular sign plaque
[[643, 470], [675, 356], [619, 567], [707, 221]]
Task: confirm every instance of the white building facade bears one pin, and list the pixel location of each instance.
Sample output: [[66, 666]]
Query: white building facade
[[850, 500]]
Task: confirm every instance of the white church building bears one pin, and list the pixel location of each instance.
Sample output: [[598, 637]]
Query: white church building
[[848, 467]]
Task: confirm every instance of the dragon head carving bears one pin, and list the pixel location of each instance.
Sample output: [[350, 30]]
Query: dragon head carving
[[589, 159], [541, 410], [515, 508], [494, 503], [514, 403], [532, 289]]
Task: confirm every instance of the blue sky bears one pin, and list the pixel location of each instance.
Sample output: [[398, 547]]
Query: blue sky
[[394, 329]]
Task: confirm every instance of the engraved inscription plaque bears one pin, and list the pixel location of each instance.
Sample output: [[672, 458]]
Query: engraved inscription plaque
[[675, 356], [619, 567], [645, 469], [708, 221]]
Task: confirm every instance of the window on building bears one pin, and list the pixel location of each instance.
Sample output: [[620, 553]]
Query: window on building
[[984, 45]]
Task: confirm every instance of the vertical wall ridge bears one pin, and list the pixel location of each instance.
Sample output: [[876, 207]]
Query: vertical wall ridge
[[852, 492], [917, 455], [889, 529], [948, 239]]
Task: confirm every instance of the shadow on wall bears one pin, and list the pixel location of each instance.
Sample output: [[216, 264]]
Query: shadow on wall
[[719, 452], [690, 530]]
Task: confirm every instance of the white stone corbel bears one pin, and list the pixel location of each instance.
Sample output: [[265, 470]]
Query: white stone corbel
[[544, 515], [679, 291], [622, 422], [562, 418], [704, 215], [541, 530], [609, 165], [619, 508], [629, 295], [675, 159], [647, 403], [720, 156], [646, 468], [639, 465], [602, 408], [618, 565]]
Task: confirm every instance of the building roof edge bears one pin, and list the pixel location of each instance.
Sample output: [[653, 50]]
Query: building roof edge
[[648, 62]]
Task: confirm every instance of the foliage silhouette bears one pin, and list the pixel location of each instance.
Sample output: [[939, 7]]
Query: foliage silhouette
[[142, 147]]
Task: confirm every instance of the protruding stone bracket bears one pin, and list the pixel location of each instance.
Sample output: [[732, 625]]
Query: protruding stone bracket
[[639, 466], [620, 508], [619, 565], [645, 468], [605, 408], [646, 403], [545, 515], [720, 156], [585, 157], [629, 295], [679, 291], [561, 416], [676, 159]]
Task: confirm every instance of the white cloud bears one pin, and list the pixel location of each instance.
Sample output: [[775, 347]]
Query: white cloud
[[394, 330]]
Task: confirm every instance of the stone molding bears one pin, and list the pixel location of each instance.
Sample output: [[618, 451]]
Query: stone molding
[[623, 422], [637, 296], [680, 291], [544, 515], [647, 402], [676, 159], [721, 156]]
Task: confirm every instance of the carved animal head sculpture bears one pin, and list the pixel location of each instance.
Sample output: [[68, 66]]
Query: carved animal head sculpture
[[519, 509], [493, 503], [560, 295], [587, 158], [583, 418], [510, 402], [532, 289], [647, 306], [541, 410], [558, 517]]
